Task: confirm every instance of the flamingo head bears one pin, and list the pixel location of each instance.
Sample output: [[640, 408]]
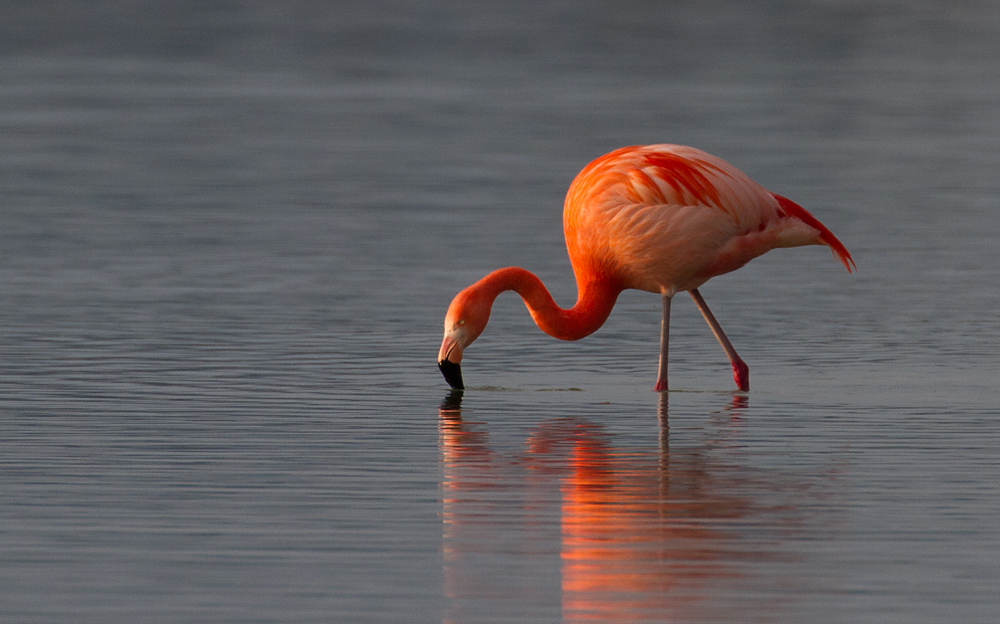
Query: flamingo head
[[466, 319]]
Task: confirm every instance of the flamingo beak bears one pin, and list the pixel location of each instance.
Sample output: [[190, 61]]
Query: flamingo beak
[[449, 361]]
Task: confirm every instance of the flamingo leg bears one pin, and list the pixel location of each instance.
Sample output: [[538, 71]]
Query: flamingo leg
[[741, 372], [661, 375]]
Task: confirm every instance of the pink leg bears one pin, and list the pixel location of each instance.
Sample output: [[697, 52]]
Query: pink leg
[[661, 374], [741, 372]]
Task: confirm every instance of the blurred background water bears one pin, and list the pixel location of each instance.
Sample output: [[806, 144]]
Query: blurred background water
[[230, 232]]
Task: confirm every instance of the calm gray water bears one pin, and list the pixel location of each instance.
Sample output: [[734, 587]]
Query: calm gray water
[[230, 233]]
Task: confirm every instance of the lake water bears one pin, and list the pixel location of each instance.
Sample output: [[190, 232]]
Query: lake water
[[230, 233]]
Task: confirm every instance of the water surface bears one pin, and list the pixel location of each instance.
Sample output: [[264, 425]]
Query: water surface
[[230, 235]]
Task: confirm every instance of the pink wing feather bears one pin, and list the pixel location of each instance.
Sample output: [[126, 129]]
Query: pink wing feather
[[791, 209]]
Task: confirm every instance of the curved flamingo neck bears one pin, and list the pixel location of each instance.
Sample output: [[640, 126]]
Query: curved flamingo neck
[[593, 306]]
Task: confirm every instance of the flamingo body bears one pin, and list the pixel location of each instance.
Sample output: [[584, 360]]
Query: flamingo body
[[657, 218], [667, 218]]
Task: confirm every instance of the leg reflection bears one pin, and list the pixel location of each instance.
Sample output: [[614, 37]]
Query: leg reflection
[[639, 540]]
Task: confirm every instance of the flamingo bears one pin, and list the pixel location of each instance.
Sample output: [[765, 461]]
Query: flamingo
[[658, 218]]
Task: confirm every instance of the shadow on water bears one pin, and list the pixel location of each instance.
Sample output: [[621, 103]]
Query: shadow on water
[[584, 524]]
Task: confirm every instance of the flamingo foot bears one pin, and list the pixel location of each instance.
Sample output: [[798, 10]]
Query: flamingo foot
[[661, 385], [741, 374]]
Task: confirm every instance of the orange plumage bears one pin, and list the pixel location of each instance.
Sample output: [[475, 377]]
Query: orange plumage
[[658, 218]]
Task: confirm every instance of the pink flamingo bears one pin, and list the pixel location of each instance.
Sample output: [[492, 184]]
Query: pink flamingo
[[658, 218]]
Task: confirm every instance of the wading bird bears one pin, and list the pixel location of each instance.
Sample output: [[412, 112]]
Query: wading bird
[[658, 218]]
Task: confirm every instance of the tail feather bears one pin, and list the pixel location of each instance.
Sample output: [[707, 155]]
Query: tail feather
[[791, 209]]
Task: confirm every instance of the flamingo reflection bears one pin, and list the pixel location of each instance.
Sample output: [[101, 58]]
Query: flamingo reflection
[[630, 534]]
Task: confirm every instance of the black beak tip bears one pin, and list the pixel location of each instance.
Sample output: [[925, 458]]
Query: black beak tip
[[452, 374]]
